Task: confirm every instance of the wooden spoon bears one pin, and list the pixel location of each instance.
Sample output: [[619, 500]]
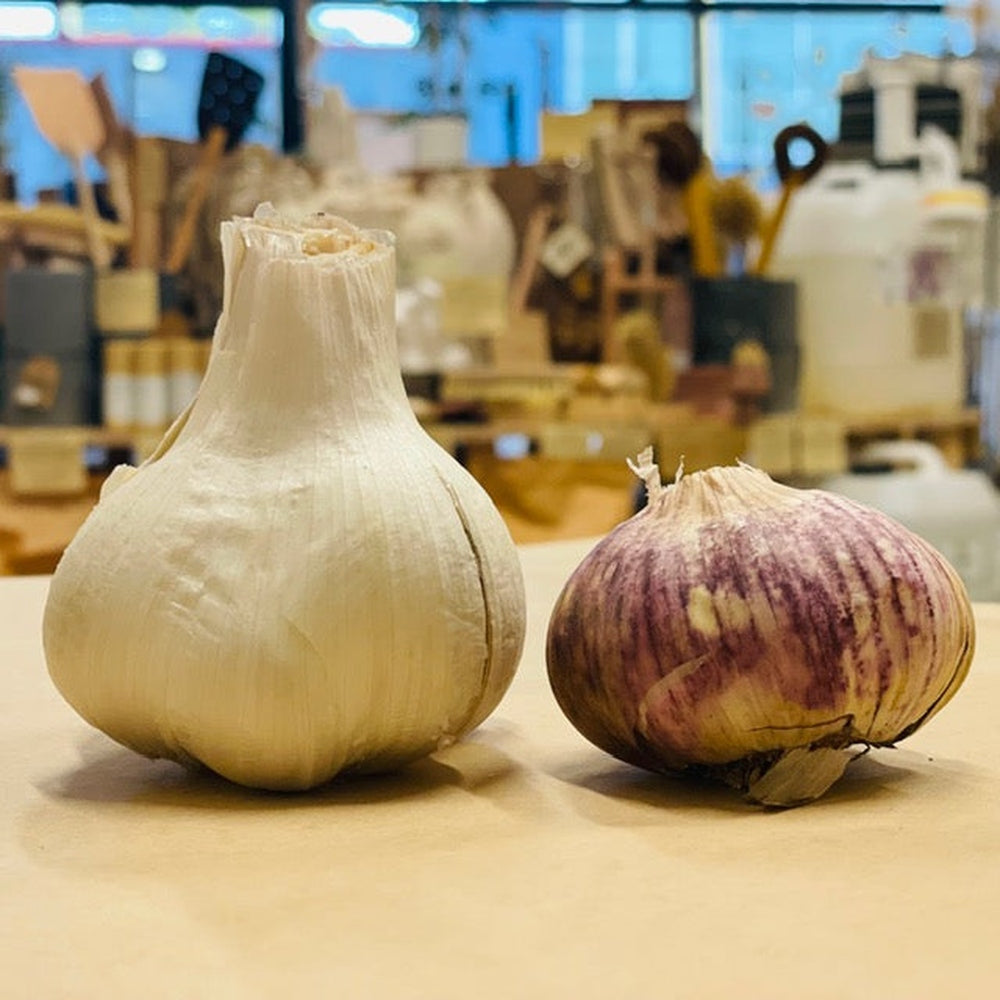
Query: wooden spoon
[[64, 109]]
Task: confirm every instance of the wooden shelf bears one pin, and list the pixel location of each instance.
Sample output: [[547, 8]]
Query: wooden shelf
[[97, 437], [956, 433], [616, 282]]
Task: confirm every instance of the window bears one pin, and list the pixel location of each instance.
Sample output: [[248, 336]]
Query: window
[[152, 58], [766, 70], [500, 65]]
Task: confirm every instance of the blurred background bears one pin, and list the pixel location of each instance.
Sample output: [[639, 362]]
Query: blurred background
[[728, 230], [751, 67]]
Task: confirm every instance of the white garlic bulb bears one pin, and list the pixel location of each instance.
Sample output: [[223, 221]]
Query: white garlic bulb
[[299, 581], [752, 631]]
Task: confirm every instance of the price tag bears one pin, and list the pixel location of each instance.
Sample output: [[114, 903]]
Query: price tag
[[565, 250]]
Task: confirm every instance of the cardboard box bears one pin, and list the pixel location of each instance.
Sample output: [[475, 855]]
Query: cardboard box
[[46, 462]]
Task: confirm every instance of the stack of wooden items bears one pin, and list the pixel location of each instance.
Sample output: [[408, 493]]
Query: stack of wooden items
[[99, 344], [646, 308], [97, 329], [614, 295]]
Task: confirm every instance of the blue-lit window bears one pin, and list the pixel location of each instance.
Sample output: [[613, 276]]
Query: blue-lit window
[[152, 59], [500, 67], [766, 70], [639, 55]]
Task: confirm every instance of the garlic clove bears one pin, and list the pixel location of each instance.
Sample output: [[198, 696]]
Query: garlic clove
[[798, 776]]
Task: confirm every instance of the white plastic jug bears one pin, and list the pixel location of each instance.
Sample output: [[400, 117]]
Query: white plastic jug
[[879, 323], [459, 234], [957, 511]]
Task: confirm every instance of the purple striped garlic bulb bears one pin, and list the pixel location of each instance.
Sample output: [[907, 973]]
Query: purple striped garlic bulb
[[755, 632]]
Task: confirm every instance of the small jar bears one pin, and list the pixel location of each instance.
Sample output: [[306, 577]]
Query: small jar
[[152, 386], [118, 384], [185, 373]]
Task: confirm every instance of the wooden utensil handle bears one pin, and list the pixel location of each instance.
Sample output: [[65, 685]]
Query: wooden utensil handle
[[150, 186], [145, 249], [772, 227], [120, 188], [704, 249], [208, 164], [524, 273], [100, 254]]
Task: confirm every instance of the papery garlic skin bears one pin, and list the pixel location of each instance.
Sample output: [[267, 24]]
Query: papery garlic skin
[[300, 581], [734, 619]]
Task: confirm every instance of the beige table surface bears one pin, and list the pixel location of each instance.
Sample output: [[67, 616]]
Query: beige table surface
[[521, 864]]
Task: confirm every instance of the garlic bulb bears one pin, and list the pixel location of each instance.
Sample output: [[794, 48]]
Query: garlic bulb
[[753, 631], [299, 581]]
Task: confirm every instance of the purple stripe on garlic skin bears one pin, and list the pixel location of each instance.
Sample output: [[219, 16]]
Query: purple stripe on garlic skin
[[735, 618]]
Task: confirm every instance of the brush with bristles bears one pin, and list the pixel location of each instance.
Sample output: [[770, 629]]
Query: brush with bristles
[[680, 161], [638, 332], [737, 216]]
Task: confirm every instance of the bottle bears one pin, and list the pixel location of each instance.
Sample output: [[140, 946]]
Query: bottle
[[152, 388], [185, 371], [118, 384]]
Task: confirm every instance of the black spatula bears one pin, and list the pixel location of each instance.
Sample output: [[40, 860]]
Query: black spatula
[[226, 107]]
